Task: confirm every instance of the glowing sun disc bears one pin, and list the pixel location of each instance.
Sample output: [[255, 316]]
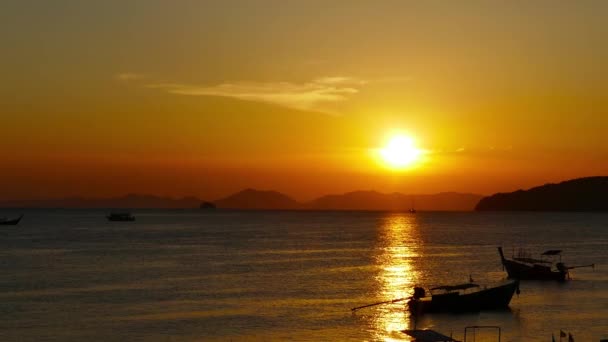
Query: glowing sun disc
[[400, 152]]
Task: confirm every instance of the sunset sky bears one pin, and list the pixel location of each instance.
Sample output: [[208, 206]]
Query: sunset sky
[[206, 98]]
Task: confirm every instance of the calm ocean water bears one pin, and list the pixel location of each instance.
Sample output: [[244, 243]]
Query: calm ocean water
[[272, 276]]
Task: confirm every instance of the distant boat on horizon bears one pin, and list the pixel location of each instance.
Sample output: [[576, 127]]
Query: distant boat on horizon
[[8, 222], [120, 217], [412, 210]]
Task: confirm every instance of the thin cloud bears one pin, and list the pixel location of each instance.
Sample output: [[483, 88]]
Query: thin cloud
[[311, 95], [340, 80], [488, 151], [128, 76]]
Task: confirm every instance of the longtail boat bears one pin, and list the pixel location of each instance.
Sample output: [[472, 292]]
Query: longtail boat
[[523, 266], [427, 335], [5, 221], [462, 298]]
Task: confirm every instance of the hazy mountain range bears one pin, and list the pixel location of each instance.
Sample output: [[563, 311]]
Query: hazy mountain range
[[583, 194], [258, 200], [127, 201]]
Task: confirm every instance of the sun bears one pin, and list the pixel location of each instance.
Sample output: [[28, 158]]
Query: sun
[[400, 152]]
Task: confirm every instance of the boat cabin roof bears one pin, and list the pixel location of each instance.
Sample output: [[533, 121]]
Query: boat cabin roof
[[455, 287], [428, 335]]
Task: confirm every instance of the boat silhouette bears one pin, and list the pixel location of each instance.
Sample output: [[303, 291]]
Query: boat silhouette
[[7, 222], [468, 297], [523, 266], [124, 217]]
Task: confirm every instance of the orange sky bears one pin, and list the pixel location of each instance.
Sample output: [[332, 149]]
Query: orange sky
[[208, 97]]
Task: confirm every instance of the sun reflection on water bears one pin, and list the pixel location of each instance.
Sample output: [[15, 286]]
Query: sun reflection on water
[[398, 245]]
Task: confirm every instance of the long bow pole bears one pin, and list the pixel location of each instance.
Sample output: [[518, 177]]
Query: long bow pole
[[380, 303]]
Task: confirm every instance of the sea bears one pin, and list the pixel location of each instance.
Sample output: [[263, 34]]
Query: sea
[[195, 275]]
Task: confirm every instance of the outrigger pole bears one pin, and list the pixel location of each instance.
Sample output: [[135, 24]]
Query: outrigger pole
[[380, 303], [590, 265]]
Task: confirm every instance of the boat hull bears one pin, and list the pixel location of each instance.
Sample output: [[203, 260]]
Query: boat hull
[[494, 298], [517, 270]]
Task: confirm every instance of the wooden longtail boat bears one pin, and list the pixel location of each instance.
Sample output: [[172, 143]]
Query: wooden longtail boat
[[458, 298], [5, 221], [428, 335], [525, 267]]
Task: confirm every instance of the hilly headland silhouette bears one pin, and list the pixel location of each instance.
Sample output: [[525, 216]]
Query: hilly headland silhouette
[[581, 194]]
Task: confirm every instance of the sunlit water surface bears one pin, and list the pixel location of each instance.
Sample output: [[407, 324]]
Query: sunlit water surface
[[220, 276]]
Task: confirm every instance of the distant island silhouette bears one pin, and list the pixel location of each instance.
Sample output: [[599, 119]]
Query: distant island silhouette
[[127, 201], [252, 199], [208, 205], [258, 199], [373, 200], [357, 200], [582, 194]]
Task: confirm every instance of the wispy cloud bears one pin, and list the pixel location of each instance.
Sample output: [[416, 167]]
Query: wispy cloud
[[311, 95], [478, 152], [128, 76]]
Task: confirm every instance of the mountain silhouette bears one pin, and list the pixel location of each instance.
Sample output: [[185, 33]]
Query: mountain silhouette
[[127, 201], [373, 200], [252, 199], [257, 199], [356, 200], [582, 194]]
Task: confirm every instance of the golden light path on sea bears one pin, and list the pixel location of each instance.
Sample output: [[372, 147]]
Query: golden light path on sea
[[398, 276]]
